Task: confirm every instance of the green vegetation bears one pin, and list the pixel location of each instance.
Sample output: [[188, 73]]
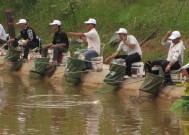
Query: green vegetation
[[139, 17]]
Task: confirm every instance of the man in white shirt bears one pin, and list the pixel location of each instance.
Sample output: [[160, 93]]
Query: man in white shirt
[[3, 37], [175, 55], [130, 45], [92, 39]]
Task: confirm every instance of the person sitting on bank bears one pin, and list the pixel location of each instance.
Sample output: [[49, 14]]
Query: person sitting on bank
[[184, 71], [3, 36], [92, 39], [59, 44], [175, 55], [28, 35], [130, 45]]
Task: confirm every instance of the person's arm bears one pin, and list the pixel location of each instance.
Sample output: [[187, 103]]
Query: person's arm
[[130, 43], [165, 39], [79, 34], [108, 59], [178, 52]]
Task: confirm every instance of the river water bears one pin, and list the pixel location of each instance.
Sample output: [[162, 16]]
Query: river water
[[46, 107]]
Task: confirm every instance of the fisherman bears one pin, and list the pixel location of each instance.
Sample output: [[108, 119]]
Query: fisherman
[[59, 44], [3, 36], [175, 55], [28, 35], [130, 45], [92, 39], [184, 70]]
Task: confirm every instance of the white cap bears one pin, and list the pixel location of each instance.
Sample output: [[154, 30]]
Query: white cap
[[22, 21], [90, 21], [56, 22], [121, 30], [174, 35]]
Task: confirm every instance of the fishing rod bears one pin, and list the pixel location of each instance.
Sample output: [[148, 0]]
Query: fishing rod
[[175, 20], [147, 38], [75, 20], [73, 13]]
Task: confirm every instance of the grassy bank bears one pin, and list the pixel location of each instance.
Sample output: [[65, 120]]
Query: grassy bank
[[139, 17]]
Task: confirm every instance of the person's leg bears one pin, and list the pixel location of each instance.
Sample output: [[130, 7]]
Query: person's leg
[[88, 55], [129, 60], [167, 75], [29, 45], [77, 53], [44, 52], [150, 64], [56, 50], [2, 42], [121, 56]]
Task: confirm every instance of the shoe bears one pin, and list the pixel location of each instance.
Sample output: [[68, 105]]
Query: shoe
[[165, 83], [87, 69], [55, 63], [126, 77]]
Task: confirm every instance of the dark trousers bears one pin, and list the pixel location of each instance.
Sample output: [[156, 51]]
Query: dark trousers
[[129, 59], [163, 64], [2, 41], [56, 51], [30, 45]]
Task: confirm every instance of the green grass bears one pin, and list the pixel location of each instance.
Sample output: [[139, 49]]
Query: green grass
[[139, 17]]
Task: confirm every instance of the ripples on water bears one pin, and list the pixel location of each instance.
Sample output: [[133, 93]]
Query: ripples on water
[[49, 108]]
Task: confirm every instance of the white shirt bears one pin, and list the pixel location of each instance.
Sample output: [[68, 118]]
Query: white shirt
[[93, 40], [125, 48], [2, 33], [176, 51]]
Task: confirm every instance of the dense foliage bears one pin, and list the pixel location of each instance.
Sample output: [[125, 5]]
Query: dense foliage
[[139, 17]]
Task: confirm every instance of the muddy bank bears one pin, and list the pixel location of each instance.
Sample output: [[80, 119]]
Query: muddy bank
[[94, 78]]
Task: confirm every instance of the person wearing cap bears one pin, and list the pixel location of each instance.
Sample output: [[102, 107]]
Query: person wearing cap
[[59, 44], [91, 37], [130, 45], [175, 56], [3, 36], [28, 35]]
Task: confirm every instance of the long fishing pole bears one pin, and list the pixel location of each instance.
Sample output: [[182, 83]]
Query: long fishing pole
[[73, 13], [175, 20]]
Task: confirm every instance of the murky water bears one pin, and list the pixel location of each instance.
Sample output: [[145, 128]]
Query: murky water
[[33, 107]]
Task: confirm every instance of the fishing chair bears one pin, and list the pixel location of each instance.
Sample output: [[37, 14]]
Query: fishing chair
[[174, 74], [97, 62], [35, 53], [138, 69], [62, 56]]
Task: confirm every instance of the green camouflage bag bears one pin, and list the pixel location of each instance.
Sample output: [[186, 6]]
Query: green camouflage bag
[[152, 82], [13, 54], [74, 70], [115, 76], [40, 64]]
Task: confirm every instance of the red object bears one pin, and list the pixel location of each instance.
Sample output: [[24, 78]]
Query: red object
[[59, 60], [10, 23]]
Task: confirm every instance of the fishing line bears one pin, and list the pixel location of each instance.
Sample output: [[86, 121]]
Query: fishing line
[[175, 20], [73, 14]]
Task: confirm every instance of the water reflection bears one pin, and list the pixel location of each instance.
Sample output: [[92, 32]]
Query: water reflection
[[46, 107]]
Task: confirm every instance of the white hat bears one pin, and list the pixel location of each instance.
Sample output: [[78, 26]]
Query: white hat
[[121, 30], [90, 21], [56, 22], [22, 21], [174, 35]]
